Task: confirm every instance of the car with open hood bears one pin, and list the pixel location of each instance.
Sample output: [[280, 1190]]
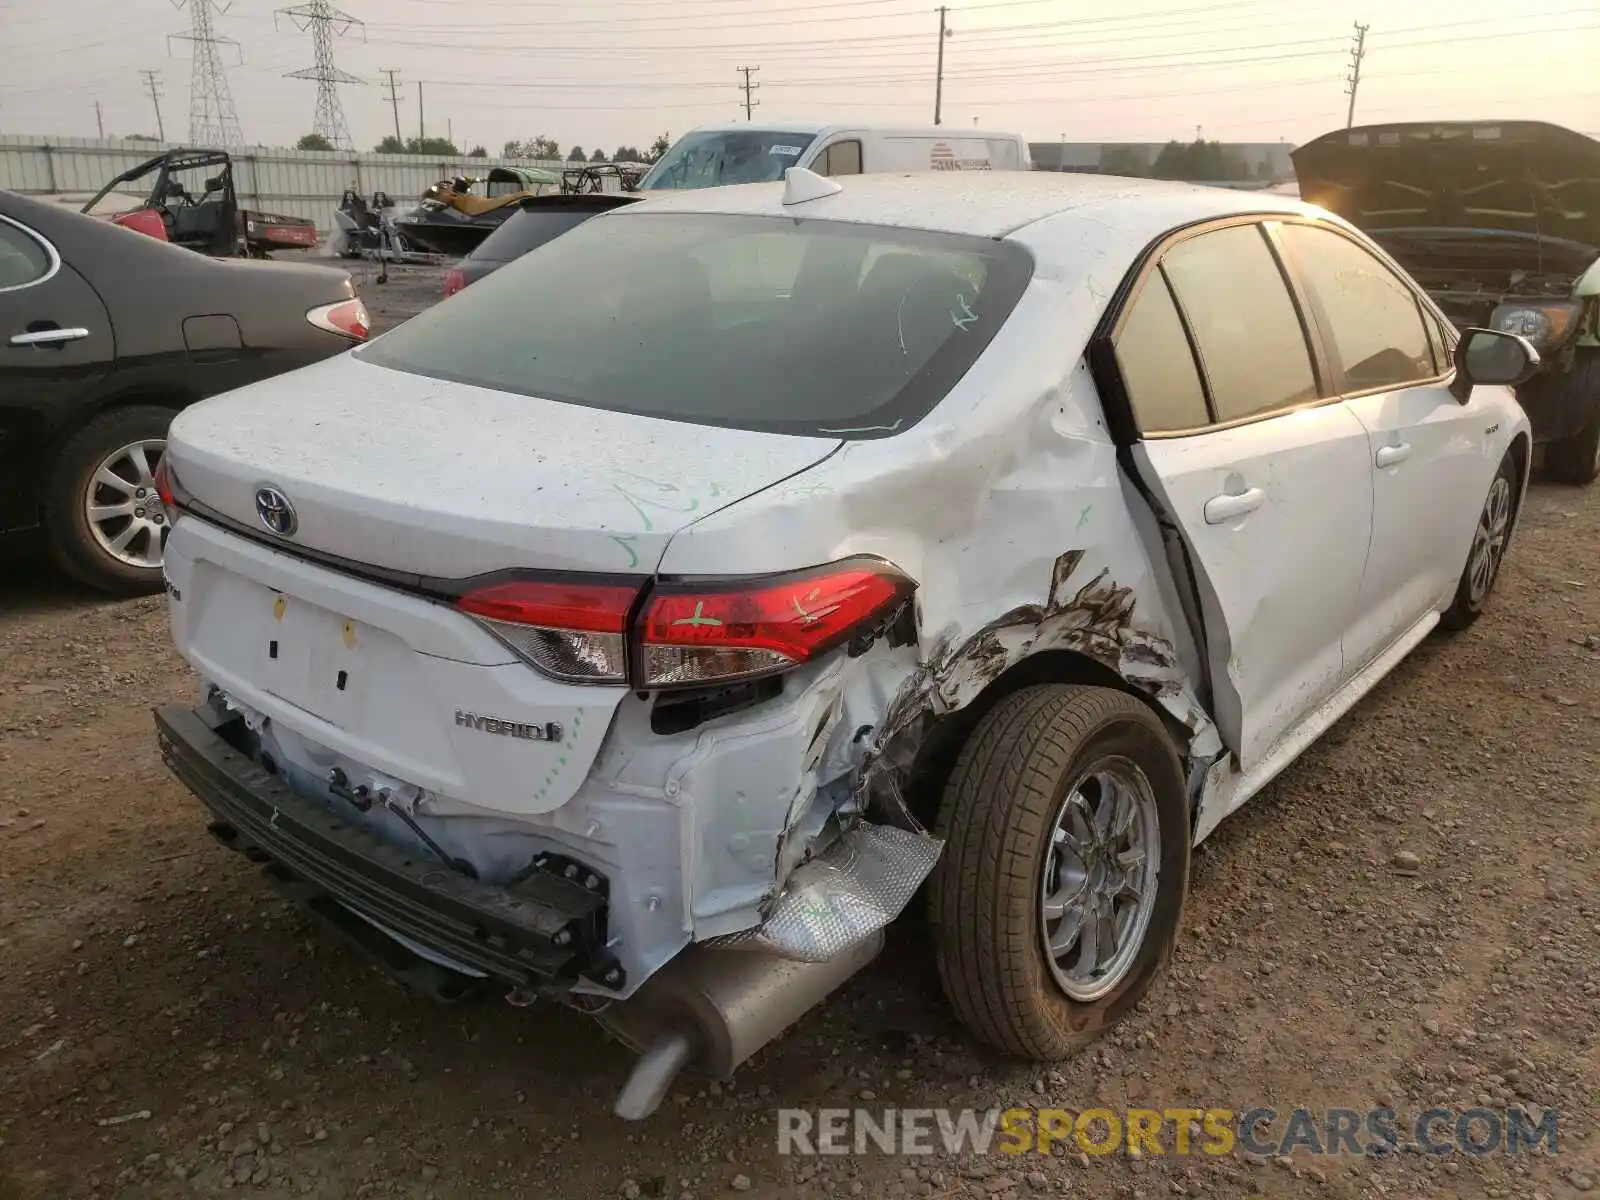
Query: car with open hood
[[1500, 222], [640, 628]]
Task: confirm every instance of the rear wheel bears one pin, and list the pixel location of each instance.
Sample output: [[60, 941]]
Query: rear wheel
[[1057, 900], [1490, 538], [104, 523]]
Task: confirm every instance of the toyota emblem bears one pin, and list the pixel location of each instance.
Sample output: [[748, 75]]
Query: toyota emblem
[[275, 511]]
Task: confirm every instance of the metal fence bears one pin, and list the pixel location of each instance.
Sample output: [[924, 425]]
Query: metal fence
[[301, 183]]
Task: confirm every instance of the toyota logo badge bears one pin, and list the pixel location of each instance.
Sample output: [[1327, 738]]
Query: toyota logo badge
[[275, 511]]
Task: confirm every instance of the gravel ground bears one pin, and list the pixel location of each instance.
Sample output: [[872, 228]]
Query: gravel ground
[[1409, 916]]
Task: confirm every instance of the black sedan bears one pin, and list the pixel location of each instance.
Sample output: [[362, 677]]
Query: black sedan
[[105, 333], [539, 219]]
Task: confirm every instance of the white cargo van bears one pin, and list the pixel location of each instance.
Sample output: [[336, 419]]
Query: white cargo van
[[713, 155]]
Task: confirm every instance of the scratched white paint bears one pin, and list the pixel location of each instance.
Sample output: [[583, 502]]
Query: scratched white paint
[[446, 479]]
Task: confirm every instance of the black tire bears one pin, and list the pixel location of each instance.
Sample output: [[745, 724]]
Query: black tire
[[1470, 600], [1575, 460], [998, 812], [71, 542]]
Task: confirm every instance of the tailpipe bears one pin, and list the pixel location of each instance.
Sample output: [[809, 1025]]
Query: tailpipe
[[714, 1007]]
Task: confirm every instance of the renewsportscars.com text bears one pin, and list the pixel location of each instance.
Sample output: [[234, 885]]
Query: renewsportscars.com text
[[1261, 1130]]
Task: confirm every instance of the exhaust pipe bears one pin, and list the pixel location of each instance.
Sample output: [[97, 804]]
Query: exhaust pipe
[[715, 1008]]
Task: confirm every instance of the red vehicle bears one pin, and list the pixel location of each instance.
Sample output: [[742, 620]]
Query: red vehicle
[[193, 207]]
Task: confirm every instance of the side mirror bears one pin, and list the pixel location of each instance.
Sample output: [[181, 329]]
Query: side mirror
[[1489, 356]]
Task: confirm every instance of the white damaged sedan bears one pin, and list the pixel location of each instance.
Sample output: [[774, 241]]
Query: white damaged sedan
[[641, 628]]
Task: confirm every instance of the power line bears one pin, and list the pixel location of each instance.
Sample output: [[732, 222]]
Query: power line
[[747, 87], [325, 23], [212, 118], [1357, 53], [394, 101], [153, 79]]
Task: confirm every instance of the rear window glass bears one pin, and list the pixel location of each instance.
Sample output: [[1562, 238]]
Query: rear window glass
[[524, 230], [709, 159], [811, 327]]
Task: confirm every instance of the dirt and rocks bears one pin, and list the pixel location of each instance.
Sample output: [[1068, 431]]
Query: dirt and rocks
[[1409, 917]]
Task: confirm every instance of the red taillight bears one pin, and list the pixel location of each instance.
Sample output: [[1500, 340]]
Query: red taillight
[[700, 633], [688, 633], [163, 482], [572, 631], [454, 282], [348, 318]]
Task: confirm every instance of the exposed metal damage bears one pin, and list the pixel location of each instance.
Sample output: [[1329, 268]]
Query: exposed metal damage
[[1096, 621]]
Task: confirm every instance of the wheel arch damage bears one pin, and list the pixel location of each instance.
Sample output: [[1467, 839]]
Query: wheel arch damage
[[1084, 631]]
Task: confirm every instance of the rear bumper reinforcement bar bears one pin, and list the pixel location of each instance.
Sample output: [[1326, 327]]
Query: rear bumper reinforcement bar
[[544, 930]]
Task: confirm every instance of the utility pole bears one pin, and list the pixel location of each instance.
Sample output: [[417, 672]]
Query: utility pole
[[99, 121], [422, 127], [938, 78], [1357, 53], [394, 101], [325, 22], [747, 87], [213, 120], [151, 78]]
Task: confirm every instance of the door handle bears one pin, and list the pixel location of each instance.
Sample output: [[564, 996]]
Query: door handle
[[48, 337], [1233, 504], [1389, 455]]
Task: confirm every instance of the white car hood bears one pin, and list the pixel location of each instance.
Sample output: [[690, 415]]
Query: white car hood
[[447, 480]]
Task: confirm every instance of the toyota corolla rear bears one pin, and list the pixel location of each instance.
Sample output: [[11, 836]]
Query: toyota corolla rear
[[457, 694]]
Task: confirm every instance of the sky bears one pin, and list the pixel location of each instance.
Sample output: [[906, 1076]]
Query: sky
[[620, 72]]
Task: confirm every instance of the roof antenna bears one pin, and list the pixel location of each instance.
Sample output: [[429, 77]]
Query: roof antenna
[[800, 185]]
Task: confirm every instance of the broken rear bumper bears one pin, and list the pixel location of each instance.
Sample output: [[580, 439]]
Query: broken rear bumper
[[545, 932]]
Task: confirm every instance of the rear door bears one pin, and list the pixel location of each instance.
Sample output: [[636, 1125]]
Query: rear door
[[56, 346], [1264, 472], [1429, 474]]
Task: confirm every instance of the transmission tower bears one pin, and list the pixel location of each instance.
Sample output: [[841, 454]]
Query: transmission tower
[[213, 120], [325, 23]]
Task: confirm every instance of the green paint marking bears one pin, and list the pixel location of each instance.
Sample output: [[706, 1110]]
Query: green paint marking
[[1084, 515], [698, 619], [633, 559]]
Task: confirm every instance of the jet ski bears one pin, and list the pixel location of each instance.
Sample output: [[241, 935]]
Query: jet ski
[[453, 218]]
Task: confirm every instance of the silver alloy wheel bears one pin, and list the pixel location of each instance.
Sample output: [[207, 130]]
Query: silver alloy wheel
[[126, 517], [1489, 540], [1100, 877]]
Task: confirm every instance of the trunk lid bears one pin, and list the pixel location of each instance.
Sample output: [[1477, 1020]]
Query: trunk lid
[[1535, 182], [416, 475]]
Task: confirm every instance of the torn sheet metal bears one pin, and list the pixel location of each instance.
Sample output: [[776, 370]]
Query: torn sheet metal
[[843, 896], [1096, 620]]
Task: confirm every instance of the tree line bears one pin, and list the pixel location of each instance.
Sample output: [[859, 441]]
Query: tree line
[[1197, 160], [534, 147]]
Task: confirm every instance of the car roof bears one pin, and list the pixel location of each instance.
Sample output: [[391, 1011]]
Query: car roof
[[990, 204]]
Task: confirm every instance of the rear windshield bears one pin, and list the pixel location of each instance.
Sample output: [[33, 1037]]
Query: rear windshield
[[794, 326], [700, 160], [522, 231]]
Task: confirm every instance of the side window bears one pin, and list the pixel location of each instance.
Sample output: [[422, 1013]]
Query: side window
[[1245, 324], [1372, 317], [1157, 366], [841, 158], [23, 260]]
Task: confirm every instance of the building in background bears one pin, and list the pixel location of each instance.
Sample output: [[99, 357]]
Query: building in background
[[1249, 163]]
